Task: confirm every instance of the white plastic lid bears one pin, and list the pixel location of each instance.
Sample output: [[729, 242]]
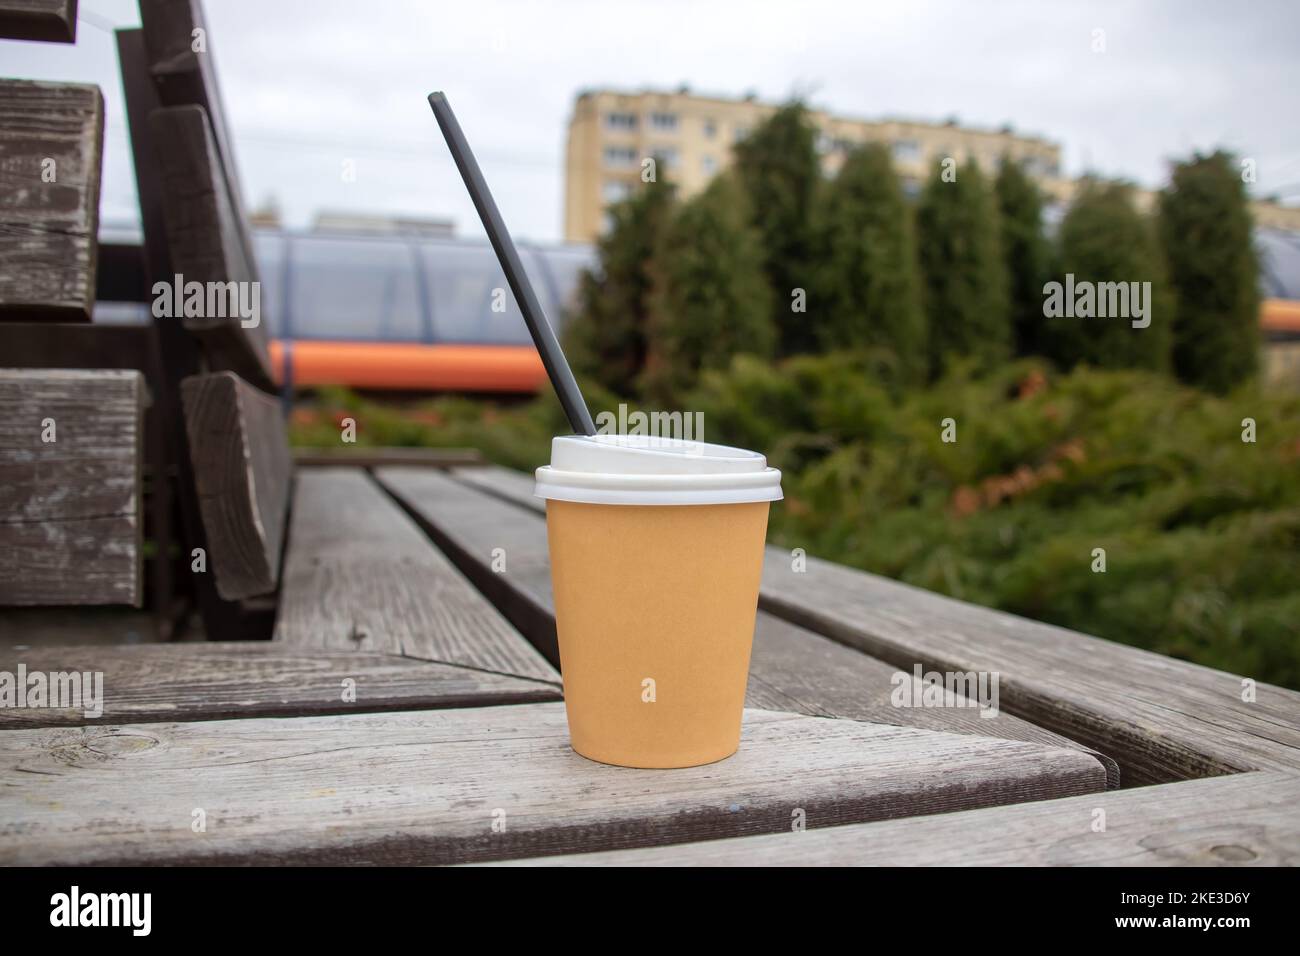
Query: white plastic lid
[[640, 470]]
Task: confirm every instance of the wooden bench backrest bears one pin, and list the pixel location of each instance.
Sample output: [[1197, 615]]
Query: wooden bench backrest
[[235, 435]]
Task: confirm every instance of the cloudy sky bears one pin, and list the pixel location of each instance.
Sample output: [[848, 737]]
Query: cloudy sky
[[310, 85]]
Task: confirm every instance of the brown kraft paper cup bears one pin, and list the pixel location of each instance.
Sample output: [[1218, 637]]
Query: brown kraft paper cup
[[655, 610]]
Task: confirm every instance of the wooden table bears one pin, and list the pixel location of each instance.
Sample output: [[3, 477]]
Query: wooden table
[[409, 710]]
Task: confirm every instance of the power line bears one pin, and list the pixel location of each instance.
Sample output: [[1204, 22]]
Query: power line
[[339, 147]]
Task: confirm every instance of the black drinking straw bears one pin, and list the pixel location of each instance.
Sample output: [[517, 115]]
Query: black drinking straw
[[557, 366]]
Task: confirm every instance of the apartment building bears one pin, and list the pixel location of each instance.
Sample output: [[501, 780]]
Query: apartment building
[[612, 133]]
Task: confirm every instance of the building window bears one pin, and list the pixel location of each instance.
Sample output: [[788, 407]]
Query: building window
[[615, 190], [710, 165], [620, 121], [710, 129], [664, 122], [620, 156], [911, 187], [907, 150], [665, 155], [740, 133]]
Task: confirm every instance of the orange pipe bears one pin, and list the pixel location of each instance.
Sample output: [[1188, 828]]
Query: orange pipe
[[411, 366], [1279, 315]]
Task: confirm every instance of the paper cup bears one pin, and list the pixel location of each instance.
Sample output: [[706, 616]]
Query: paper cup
[[656, 555]]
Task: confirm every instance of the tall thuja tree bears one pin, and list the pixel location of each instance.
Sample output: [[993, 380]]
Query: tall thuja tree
[[1205, 228], [868, 290], [1026, 253], [778, 167], [709, 300], [1105, 241], [963, 274], [606, 337]]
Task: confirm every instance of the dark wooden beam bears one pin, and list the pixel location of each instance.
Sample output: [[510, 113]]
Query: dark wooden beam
[[240, 455], [122, 276], [179, 352], [184, 74], [203, 240], [51, 141], [53, 21]]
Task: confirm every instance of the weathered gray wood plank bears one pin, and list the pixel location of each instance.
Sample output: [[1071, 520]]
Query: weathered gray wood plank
[[791, 668], [51, 148], [53, 21], [70, 508], [795, 669], [1160, 718], [456, 786], [469, 527], [204, 238], [211, 681], [240, 451], [1246, 819], [359, 574]]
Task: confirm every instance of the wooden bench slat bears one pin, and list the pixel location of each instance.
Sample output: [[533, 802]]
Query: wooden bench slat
[[243, 475], [1239, 819], [204, 237], [211, 681], [70, 510], [359, 574], [53, 21], [51, 149], [428, 787], [1162, 719], [791, 668], [184, 76]]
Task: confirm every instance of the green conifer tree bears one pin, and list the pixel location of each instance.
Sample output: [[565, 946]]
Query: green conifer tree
[[964, 277], [1206, 232], [777, 165], [868, 291], [1103, 240], [606, 337], [1026, 252], [709, 299]]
